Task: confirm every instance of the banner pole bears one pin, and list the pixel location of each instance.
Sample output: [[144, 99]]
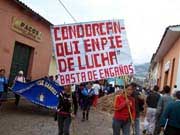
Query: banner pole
[[129, 110], [73, 119]]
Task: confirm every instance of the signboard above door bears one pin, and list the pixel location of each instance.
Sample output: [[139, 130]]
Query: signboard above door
[[26, 29]]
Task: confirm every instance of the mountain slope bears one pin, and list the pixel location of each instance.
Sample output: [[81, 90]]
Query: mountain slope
[[141, 70]]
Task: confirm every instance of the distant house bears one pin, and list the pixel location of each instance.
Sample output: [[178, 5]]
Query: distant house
[[25, 41], [153, 73], [165, 63]]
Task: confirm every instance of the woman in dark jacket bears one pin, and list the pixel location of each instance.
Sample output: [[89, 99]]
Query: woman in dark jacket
[[67, 102]]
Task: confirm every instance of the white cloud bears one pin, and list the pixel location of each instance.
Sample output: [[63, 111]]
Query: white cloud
[[145, 20]]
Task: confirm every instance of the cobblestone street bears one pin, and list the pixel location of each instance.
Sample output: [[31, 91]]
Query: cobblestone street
[[30, 119]]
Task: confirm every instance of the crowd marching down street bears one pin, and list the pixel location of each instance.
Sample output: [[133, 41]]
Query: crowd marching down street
[[68, 69], [160, 108]]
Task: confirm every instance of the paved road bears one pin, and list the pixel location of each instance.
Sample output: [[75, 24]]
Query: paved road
[[30, 119]]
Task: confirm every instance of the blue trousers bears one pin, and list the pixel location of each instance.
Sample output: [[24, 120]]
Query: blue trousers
[[120, 124]]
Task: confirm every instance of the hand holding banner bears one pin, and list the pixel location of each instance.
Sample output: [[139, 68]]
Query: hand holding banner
[[91, 51]]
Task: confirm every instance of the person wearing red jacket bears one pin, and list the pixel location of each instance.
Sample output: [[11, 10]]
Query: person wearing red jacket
[[121, 119]]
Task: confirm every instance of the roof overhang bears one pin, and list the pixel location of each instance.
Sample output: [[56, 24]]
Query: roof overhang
[[170, 36]]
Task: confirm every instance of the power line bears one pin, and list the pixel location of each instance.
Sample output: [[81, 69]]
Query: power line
[[67, 11]]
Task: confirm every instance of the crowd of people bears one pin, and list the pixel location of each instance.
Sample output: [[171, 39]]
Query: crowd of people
[[159, 119], [160, 109]]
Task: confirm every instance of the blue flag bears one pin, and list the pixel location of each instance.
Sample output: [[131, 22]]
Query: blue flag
[[42, 92]]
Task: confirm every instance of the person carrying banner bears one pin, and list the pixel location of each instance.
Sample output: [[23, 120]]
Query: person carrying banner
[[20, 77], [122, 106], [3, 84], [170, 120], [87, 100], [67, 102]]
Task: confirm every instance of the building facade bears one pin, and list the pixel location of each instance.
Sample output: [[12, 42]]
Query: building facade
[[53, 67], [153, 74], [25, 40], [167, 60]]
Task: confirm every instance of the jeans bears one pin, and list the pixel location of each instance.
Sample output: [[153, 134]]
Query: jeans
[[150, 120], [118, 125], [137, 126], [64, 123]]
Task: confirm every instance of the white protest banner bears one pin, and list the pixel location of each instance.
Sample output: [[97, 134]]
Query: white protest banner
[[91, 51]]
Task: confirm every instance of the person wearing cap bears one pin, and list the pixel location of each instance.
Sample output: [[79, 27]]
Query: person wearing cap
[[170, 120], [20, 78]]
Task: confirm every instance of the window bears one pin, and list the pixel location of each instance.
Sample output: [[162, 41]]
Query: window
[[172, 73], [166, 77]]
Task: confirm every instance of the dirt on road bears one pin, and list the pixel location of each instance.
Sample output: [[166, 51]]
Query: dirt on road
[[29, 119]]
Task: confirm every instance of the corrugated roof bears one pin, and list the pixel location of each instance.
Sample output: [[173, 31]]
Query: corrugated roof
[[20, 3]]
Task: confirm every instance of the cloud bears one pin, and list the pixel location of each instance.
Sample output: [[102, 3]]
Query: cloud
[[145, 20]]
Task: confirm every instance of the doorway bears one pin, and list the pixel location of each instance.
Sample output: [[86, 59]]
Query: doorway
[[166, 78], [172, 73], [20, 60]]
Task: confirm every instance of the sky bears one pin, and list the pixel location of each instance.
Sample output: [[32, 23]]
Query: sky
[[145, 20]]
